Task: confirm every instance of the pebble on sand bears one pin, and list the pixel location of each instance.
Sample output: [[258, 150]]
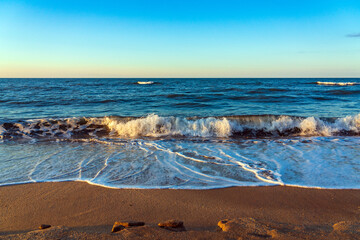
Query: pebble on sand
[[118, 226], [44, 226], [131, 224], [173, 225], [347, 226], [247, 226]]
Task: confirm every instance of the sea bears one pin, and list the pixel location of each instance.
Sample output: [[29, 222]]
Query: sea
[[181, 133]]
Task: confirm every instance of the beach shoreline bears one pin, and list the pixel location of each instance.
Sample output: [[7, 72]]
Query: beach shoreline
[[93, 209]]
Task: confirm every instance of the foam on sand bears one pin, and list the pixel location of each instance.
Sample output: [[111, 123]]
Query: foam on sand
[[321, 162]]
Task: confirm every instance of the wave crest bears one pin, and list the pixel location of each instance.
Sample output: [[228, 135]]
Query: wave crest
[[158, 126]]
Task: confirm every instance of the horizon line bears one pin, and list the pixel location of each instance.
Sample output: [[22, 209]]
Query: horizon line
[[179, 77]]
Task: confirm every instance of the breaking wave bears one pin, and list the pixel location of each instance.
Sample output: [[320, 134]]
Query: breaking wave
[[158, 126]]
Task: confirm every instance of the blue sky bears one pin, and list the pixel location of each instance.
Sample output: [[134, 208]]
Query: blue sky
[[180, 38]]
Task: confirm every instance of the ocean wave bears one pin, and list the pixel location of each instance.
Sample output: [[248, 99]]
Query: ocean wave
[[159, 127], [337, 83]]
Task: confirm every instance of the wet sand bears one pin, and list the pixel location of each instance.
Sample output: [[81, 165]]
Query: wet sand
[[77, 210]]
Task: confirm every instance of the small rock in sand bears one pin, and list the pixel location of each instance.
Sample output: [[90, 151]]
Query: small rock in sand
[[130, 224], [347, 226], [223, 226], [116, 227], [247, 227], [173, 225], [44, 226]]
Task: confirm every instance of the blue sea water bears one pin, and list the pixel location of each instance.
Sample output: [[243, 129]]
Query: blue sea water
[[181, 133]]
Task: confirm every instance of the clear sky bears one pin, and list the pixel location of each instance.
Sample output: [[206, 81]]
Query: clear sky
[[139, 38]]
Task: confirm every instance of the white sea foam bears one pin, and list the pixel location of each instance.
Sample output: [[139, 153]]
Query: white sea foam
[[2, 131], [309, 162], [337, 83], [349, 123], [156, 126]]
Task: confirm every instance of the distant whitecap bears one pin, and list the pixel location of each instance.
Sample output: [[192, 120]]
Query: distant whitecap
[[337, 83], [144, 83]]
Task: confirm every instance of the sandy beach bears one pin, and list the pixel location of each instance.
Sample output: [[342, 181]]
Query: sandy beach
[[77, 210]]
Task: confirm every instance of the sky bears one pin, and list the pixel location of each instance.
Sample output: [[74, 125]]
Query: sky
[[138, 38]]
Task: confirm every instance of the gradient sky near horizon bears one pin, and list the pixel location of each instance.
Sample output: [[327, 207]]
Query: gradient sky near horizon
[[138, 38]]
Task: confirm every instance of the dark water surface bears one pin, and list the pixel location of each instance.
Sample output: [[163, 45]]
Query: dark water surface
[[55, 98]]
